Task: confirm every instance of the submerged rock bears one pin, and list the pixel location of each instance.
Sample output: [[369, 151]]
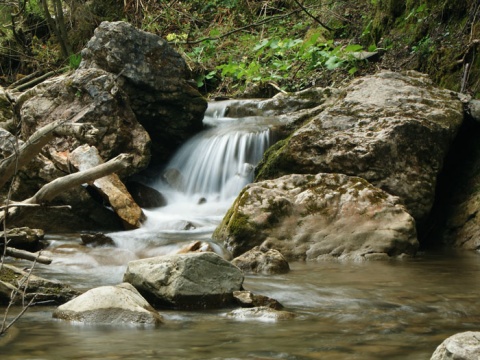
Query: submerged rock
[[462, 346], [247, 299], [392, 129], [120, 304], [260, 313], [317, 217], [97, 239], [262, 260], [189, 281]]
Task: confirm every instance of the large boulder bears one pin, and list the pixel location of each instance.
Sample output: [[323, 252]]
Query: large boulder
[[154, 77], [392, 129], [193, 280], [85, 96], [120, 304], [462, 346], [321, 216]]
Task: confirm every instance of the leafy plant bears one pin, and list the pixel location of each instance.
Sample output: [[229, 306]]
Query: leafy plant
[[74, 61]]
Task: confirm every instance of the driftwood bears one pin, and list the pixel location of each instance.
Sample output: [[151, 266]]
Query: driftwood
[[25, 255], [55, 187], [32, 146]]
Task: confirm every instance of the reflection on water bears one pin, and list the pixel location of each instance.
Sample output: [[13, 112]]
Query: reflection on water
[[368, 310]]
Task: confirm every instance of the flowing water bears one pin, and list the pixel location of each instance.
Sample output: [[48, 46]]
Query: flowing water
[[344, 310]]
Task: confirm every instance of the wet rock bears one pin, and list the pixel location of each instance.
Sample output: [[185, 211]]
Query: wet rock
[[263, 261], [189, 281], [24, 238], [175, 179], [247, 299], [260, 313], [155, 78], [196, 246], [110, 187], [97, 239], [392, 129], [462, 346], [473, 109], [280, 104], [145, 196], [46, 292], [120, 304], [314, 217]]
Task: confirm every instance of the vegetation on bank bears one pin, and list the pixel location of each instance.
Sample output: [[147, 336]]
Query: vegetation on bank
[[254, 48]]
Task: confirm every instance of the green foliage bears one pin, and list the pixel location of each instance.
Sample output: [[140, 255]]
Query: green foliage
[[277, 59], [74, 61]]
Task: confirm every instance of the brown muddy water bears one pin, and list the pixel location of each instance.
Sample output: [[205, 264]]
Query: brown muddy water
[[345, 310]]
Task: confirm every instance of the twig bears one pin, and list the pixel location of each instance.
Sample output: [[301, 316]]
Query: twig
[[258, 23], [313, 17], [39, 79], [15, 204]]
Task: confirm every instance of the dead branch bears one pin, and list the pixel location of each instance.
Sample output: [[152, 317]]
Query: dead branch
[[55, 187], [258, 23], [33, 146], [26, 255], [313, 17], [39, 79]]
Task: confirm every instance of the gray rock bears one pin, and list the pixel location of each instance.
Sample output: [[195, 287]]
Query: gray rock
[[462, 346], [193, 280], [474, 109], [23, 238], [391, 129], [263, 261], [121, 304], [260, 313], [156, 80], [315, 217], [97, 239], [247, 299], [46, 292]]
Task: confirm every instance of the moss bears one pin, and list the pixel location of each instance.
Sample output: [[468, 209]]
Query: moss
[[276, 162], [8, 275]]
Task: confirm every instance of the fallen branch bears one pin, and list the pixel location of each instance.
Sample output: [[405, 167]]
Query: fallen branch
[[39, 79], [57, 186], [26, 255], [33, 146], [19, 204]]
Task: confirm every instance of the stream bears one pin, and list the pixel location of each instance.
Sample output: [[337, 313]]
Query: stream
[[398, 309]]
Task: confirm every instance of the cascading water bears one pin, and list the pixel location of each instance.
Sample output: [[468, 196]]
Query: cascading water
[[201, 181]]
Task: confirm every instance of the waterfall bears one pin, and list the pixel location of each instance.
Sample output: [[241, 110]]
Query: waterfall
[[201, 182], [220, 161]]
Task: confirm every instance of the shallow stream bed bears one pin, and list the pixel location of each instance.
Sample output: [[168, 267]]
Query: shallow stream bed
[[368, 310]]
